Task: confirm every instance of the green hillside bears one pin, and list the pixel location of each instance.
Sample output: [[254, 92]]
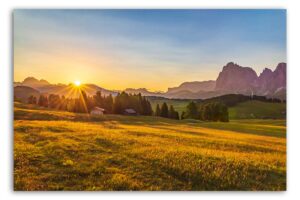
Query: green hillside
[[179, 105], [258, 110], [245, 110]]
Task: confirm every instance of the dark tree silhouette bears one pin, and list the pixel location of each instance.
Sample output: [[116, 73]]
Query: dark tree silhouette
[[192, 111], [43, 101], [54, 101], [164, 110], [182, 115], [137, 102], [32, 100], [157, 110], [214, 111], [176, 115], [84, 103], [172, 113]]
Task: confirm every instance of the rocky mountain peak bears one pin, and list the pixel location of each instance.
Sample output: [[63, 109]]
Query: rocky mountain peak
[[236, 78], [279, 77], [265, 72], [281, 68]]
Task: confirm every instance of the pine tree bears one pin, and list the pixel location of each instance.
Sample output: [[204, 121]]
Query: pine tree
[[43, 101], [224, 113], [207, 112], [191, 111], [149, 108], [32, 100], [176, 115], [144, 106], [200, 114], [214, 111], [98, 99], [117, 106], [53, 101], [109, 103], [164, 110], [157, 110], [171, 112], [182, 115]]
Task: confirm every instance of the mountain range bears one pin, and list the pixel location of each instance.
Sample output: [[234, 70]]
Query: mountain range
[[32, 86], [233, 79], [244, 80]]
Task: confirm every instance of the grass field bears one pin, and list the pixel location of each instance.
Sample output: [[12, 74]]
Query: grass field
[[258, 109], [179, 105], [246, 110], [55, 150]]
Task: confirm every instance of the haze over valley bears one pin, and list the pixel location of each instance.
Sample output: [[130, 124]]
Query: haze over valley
[[233, 79]]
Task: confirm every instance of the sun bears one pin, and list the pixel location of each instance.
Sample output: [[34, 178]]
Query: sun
[[77, 83]]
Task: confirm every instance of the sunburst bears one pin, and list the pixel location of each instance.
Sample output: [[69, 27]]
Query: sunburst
[[77, 83]]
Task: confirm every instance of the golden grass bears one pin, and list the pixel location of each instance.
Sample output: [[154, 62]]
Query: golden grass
[[146, 153]]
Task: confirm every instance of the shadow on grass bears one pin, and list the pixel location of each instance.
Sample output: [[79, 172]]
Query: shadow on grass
[[256, 128]]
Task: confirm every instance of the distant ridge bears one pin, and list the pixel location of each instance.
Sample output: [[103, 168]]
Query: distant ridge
[[233, 79], [22, 93], [44, 87], [194, 86]]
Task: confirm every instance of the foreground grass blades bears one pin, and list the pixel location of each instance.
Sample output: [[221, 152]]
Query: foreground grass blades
[[65, 151]]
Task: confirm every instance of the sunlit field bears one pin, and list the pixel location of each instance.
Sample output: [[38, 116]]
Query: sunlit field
[[56, 150], [246, 110]]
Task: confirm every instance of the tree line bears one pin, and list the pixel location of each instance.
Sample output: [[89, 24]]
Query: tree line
[[135, 101], [84, 103], [166, 112], [233, 99], [211, 111], [206, 111]]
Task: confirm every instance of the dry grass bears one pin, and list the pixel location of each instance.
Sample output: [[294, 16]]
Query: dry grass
[[145, 153]]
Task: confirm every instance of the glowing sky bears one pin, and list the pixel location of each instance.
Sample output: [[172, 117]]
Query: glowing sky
[[155, 49]]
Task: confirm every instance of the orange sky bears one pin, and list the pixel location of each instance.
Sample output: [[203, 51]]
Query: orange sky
[[119, 49]]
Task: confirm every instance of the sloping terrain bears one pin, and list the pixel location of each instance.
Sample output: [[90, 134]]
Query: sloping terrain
[[258, 109], [55, 150]]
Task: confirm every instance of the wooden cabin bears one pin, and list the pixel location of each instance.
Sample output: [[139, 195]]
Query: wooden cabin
[[97, 111]]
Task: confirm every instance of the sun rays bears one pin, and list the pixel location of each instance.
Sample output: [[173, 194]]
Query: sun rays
[[77, 90]]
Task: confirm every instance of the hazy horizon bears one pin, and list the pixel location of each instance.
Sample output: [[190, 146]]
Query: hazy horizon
[[114, 89], [153, 49]]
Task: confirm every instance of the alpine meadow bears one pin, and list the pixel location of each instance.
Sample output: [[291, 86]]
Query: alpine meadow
[[150, 100]]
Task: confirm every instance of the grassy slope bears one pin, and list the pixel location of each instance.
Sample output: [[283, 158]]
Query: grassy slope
[[245, 110], [145, 153], [178, 105], [257, 109]]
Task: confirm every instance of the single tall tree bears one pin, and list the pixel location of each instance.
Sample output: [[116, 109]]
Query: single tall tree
[[164, 110], [176, 115], [182, 115], [157, 110], [171, 112]]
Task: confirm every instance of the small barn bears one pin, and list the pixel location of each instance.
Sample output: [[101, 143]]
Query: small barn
[[130, 111], [97, 111]]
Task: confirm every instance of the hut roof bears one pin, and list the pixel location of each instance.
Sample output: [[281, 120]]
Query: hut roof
[[130, 111], [98, 109]]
